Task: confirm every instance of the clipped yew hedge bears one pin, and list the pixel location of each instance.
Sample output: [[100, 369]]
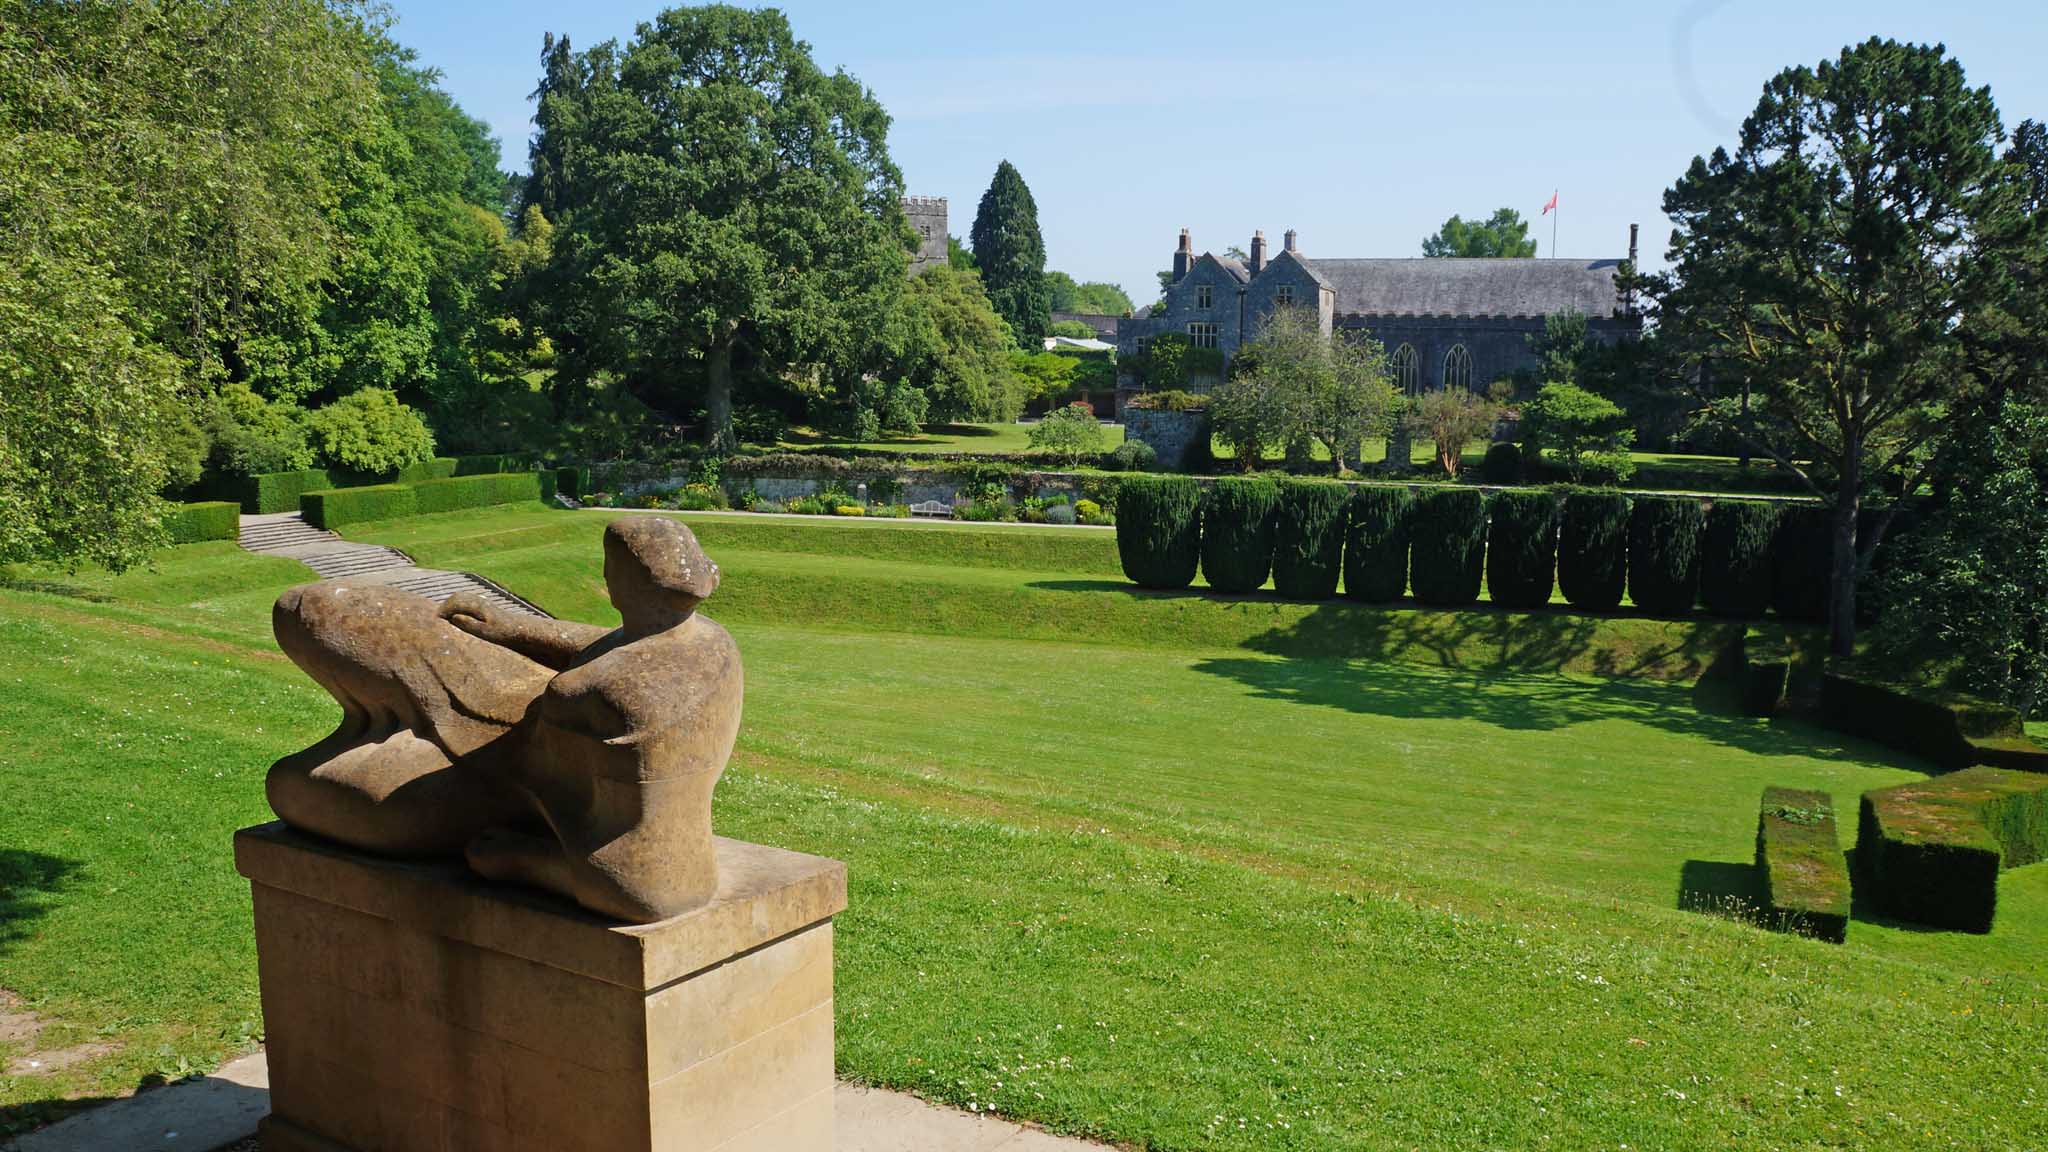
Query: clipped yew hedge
[[1664, 553], [1592, 550], [1308, 543], [1521, 548], [340, 506], [1766, 671], [1799, 861], [1159, 530], [1800, 552], [1238, 524], [1448, 547], [1952, 729], [1929, 852], [461, 492], [206, 520], [1376, 533], [1736, 570]]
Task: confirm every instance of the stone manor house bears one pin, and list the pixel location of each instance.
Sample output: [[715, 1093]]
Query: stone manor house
[[1445, 323]]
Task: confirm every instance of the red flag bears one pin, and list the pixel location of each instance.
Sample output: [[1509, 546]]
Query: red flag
[[1550, 207]]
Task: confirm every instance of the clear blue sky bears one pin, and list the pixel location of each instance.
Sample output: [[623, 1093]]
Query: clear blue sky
[[1362, 125]]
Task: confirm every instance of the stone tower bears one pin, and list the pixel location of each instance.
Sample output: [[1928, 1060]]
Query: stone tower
[[927, 215]]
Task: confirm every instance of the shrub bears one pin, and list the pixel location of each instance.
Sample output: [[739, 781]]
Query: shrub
[[490, 464], [1521, 548], [461, 492], [1800, 554], [1159, 530], [1503, 464], [1376, 535], [1239, 519], [1766, 671], [1929, 852], [337, 507], [1448, 547], [1664, 553], [849, 510], [210, 520], [1450, 418], [1583, 428], [1131, 456], [252, 435], [432, 468], [1308, 539], [1952, 729], [370, 431], [1799, 862], [1735, 558], [1171, 400], [1593, 550], [1089, 512], [1068, 432], [280, 491], [1054, 513]]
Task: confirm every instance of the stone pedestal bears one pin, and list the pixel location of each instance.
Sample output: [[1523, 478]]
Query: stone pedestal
[[411, 1007]]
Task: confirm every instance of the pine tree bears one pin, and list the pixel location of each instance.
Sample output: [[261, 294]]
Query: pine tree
[[1011, 254]]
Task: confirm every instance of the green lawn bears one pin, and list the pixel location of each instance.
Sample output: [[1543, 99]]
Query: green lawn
[[1174, 870]]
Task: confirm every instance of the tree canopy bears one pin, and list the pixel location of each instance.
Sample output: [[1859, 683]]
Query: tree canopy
[[1504, 233], [1011, 254], [1093, 296]]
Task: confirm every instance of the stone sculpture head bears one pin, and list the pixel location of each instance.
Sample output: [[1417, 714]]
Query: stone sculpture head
[[655, 572]]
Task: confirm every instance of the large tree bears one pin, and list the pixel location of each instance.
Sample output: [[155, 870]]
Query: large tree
[[1011, 254], [723, 210], [1320, 386], [1095, 296], [945, 341], [1505, 233], [1832, 268]]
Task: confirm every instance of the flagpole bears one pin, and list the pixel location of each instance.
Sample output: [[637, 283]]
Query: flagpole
[[1554, 214]]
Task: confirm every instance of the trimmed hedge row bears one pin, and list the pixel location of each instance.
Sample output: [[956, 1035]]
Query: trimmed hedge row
[[1376, 537], [1735, 558], [1663, 554], [280, 491], [477, 491], [1308, 541], [1799, 862], [1521, 549], [1592, 542], [1447, 547], [1953, 729], [340, 506], [337, 507], [1238, 523], [1929, 852], [1159, 530], [207, 520]]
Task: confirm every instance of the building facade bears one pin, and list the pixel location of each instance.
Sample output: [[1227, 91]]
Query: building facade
[[928, 215], [1445, 323]]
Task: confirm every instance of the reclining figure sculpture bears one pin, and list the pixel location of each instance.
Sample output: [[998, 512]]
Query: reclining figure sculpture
[[574, 758]]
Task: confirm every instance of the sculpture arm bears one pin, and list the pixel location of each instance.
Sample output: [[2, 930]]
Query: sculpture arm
[[554, 643]]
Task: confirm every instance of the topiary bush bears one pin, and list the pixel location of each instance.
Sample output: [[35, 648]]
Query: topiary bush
[[1447, 550], [1799, 860], [1800, 553], [1521, 548], [1131, 456], [341, 506], [1502, 465], [1308, 544], [1159, 530], [1735, 558], [1377, 529], [209, 520], [280, 491], [476, 491], [1239, 519], [1929, 852], [1664, 553], [1592, 550]]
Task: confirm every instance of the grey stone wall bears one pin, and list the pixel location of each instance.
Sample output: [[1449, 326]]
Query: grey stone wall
[[927, 215], [1175, 436], [1499, 344]]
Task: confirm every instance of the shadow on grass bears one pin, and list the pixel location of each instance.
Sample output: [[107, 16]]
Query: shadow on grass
[[28, 881], [13, 582], [1721, 888]]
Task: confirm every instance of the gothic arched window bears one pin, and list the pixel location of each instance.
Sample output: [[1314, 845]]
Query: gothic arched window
[[1458, 368], [1407, 368]]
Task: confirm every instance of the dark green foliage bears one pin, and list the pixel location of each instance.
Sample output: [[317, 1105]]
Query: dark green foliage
[[1664, 553], [1308, 549], [493, 464], [280, 491], [476, 491], [1593, 549], [1521, 548], [432, 468], [1448, 547], [1952, 729], [1011, 254], [1376, 536], [1503, 464], [1799, 562], [1799, 862], [211, 520], [340, 506], [1735, 558], [1929, 852], [1238, 524], [1159, 530], [1766, 672], [573, 482]]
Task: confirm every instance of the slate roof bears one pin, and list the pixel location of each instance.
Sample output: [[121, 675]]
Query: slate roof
[[1420, 286], [1229, 264]]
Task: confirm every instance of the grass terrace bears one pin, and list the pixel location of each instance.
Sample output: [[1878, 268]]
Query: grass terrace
[[1175, 870]]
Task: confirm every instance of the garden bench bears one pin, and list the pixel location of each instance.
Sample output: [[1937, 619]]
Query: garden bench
[[932, 508]]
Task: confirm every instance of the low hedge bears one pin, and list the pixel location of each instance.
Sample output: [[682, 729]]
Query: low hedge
[[1801, 549], [1800, 866], [461, 492], [1502, 464], [437, 468], [1592, 546], [1664, 554], [1521, 548], [1929, 852], [207, 520], [1376, 534], [1448, 547], [1308, 539], [1766, 671], [1952, 729], [490, 464], [337, 507], [1735, 558], [1159, 530], [1238, 524], [280, 491]]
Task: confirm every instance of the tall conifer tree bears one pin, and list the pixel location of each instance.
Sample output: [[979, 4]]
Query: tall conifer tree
[[1011, 254]]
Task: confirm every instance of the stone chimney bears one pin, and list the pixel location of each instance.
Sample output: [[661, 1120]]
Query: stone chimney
[[1183, 257], [1258, 252], [1290, 241], [1633, 230]]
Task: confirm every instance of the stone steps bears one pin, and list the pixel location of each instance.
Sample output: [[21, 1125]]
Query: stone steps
[[333, 558]]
